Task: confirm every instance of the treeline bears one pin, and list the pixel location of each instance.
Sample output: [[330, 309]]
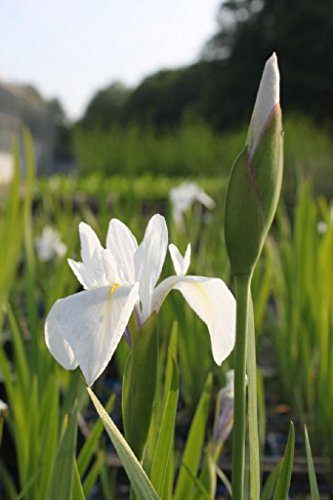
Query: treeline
[[220, 88]]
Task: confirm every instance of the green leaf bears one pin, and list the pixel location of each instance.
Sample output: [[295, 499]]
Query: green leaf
[[208, 472], [139, 385], [283, 481], [268, 489], [194, 445], [93, 473], [78, 493], [165, 437], [91, 443], [61, 483], [137, 476], [311, 470]]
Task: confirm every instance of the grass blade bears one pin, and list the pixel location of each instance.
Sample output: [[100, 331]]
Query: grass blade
[[311, 470], [283, 481], [165, 438], [61, 484], [194, 444]]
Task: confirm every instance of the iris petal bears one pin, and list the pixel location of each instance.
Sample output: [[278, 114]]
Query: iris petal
[[149, 259], [122, 245], [212, 301], [91, 323]]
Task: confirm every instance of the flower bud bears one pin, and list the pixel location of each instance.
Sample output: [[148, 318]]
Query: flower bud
[[255, 181]]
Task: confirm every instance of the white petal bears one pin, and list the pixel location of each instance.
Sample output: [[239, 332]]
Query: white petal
[[180, 263], [267, 98], [98, 273], [111, 268], [82, 274], [122, 244], [56, 344], [92, 323], [213, 302], [149, 259], [205, 199], [89, 242], [161, 291]]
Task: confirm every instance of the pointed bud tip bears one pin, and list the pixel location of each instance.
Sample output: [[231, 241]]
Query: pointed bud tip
[[268, 99]]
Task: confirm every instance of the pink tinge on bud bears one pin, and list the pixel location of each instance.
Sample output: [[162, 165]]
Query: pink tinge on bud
[[268, 100]]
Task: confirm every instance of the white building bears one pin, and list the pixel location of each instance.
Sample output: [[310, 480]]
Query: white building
[[21, 107]]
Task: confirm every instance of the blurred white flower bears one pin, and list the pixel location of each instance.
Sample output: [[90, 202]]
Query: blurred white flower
[[49, 244], [85, 329], [6, 168], [182, 198], [321, 227], [3, 408]]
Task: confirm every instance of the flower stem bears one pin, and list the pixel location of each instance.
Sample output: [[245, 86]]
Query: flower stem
[[238, 444]]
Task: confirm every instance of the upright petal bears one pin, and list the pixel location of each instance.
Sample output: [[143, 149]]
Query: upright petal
[[82, 273], [180, 263], [122, 244], [149, 259], [89, 242], [100, 271], [91, 323]]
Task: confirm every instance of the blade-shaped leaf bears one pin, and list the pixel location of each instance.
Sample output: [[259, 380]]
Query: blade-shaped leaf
[[78, 493], [139, 386], [165, 438], [269, 486], [194, 444], [90, 445], [61, 483], [137, 476], [283, 481], [311, 470]]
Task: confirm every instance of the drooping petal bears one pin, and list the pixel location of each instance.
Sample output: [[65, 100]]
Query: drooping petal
[[180, 263], [91, 323], [57, 345], [205, 199], [149, 259], [212, 301], [122, 244]]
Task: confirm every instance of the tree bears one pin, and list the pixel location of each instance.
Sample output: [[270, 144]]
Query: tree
[[166, 98], [107, 107], [301, 34]]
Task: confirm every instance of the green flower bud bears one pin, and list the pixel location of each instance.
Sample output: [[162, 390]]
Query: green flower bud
[[255, 181]]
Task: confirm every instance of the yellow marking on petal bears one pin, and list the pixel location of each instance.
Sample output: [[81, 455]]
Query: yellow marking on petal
[[113, 288]]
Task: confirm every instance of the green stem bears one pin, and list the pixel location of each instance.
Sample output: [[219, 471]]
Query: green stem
[[254, 451], [238, 443]]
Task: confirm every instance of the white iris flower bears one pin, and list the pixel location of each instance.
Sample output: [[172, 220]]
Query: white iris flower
[[84, 329], [182, 198], [49, 245]]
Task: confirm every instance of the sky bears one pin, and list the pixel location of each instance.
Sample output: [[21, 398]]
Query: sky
[[71, 48]]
